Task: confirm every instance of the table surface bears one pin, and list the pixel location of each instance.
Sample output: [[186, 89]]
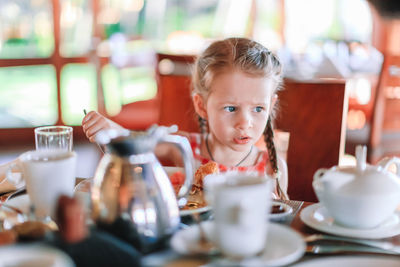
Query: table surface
[[168, 257]]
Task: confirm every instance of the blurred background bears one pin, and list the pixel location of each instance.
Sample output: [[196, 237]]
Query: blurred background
[[58, 57]]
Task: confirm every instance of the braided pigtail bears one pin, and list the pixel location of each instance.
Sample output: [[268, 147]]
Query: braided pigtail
[[269, 141], [203, 125], [273, 158]]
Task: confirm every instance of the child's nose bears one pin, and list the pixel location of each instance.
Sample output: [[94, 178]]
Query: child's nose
[[244, 121]]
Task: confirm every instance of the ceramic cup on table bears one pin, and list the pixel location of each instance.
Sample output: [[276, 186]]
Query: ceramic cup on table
[[240, 203], [46, 138], [54, 137], [48, 174]]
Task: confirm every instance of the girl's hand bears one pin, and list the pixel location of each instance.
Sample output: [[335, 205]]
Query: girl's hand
[[93, 122]]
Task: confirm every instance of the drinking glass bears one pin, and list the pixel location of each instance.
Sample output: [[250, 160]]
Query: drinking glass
[[53, 137]]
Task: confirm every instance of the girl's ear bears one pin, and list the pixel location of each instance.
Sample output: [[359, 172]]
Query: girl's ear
[[274, 100], [199, 105]]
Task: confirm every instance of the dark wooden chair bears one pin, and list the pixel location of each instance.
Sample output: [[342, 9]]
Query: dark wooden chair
[[385, 126], [314, 114], [174, 81]]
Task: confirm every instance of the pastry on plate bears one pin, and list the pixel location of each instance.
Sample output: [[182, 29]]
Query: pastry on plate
[[209, 168], [195, 199]]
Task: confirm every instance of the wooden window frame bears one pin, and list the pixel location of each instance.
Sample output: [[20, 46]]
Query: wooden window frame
[[23, 136]]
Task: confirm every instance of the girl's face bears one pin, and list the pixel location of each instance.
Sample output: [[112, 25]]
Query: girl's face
[[237, 109]]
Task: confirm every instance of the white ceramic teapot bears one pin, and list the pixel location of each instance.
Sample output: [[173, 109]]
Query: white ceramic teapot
[[359, 197]]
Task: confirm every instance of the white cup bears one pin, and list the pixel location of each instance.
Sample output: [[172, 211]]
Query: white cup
[[240, 203], [48, 174], [54, 137]]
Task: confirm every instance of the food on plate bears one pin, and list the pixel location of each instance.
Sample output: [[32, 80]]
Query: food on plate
[[195, 199], [276, 209], [8, 237], [204, 170], [177, 179], [31, 230]]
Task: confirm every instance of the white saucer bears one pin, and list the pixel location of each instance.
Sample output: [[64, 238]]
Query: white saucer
[[21, 202], [12, 218], [284, 245], [317, 217], [350, 261], [194, 211], [33, 255]]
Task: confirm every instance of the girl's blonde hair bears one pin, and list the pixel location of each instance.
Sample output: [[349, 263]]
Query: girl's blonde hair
[[234, 53], [238, 54]]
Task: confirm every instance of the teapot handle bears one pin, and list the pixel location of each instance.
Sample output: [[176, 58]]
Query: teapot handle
[[387, 161], [187, 155]]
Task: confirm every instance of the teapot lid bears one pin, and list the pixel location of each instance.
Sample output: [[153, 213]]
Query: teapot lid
[[126, 143]]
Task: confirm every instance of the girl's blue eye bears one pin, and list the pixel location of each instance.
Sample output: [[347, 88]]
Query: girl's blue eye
[[258, 109], [230, 108]]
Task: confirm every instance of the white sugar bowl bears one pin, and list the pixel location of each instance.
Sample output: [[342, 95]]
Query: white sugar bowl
[[359, 197]]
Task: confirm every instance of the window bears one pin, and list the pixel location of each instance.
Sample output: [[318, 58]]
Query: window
[[127, 85], [268, 22], [311, 20], [76, 24], [58, 57], [78, 91], [26, 29], [36, 73], [28, 96]]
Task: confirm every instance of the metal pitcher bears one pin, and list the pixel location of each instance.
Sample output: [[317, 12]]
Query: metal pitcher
[[131, 183]]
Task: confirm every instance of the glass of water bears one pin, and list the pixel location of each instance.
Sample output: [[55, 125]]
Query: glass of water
[[53, 137]]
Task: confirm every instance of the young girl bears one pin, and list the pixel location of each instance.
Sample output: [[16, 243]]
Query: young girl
[[234, 92]]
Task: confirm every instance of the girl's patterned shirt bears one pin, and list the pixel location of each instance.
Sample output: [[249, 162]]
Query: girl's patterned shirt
[[260, 166]]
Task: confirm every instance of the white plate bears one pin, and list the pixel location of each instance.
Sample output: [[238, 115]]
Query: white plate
[[21, 202], [317, 217], [280, 216], [284, 245], [33, 255], [351, 261], [194, 211], [12, 218], [16, 184]]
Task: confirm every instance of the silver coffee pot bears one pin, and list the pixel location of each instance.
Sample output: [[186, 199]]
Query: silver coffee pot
[[131, 183]]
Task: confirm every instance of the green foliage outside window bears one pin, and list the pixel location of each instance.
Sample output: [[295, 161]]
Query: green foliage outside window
[[121, 87], [28, 96], [78, 92]]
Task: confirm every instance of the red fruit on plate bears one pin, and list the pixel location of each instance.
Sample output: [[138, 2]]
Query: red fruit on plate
[[177, 178]]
